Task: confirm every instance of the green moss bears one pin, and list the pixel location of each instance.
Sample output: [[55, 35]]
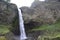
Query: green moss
[[2, 38], [4, 29], [48, 38], [55, 26], [51, 32]]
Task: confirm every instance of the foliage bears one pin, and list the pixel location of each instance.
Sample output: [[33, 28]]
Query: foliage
[[50, 32], [5, 0], [51, 27], [48, 38], [4, 29], [2, 38]]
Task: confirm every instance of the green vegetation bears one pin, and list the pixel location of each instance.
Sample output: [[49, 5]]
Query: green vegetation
[[48, 38], [5, 0], [51, 27], [4, 29], [48, 27], [2, 38], [51, 32]]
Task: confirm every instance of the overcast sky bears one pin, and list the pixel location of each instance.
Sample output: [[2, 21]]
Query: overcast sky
[[21, 3]]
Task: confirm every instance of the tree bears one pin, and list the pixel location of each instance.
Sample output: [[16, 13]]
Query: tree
[[5, 0], [52, 0]]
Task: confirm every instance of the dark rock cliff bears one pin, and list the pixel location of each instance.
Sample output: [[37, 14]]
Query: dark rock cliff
[[7, 12]]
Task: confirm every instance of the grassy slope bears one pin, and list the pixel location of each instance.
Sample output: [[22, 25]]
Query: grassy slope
[[51, 31], [4, 29], [48, 27], [2, 38]]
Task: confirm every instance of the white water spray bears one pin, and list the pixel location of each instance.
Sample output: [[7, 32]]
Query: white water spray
[[21, 25]]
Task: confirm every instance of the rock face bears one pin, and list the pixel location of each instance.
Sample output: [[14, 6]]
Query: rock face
[[7, 12], [41, 13]]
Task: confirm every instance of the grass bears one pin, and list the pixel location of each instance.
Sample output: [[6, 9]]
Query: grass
[[2, 38], [4, 29], [55, 26], [50, 31]]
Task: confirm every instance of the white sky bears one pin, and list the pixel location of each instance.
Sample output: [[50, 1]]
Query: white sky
[[21, 3]]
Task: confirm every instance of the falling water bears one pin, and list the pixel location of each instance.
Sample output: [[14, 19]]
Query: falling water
[[21, 23]]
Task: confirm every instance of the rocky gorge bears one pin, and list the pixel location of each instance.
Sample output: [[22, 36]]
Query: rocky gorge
[[41, 20]]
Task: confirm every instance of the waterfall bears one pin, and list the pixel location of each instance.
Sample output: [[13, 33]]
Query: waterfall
[[21, 25]]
